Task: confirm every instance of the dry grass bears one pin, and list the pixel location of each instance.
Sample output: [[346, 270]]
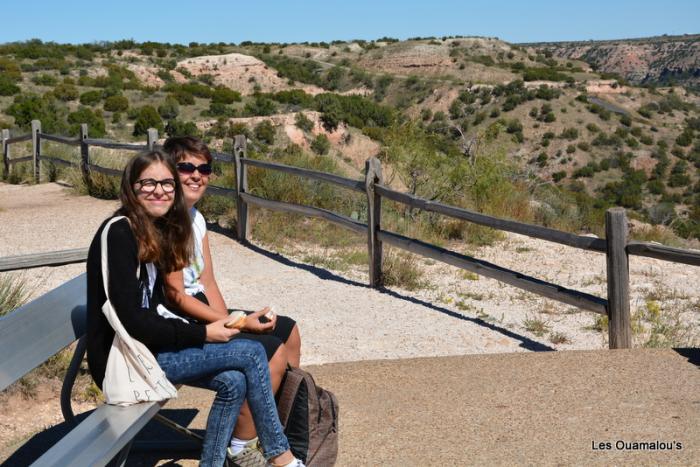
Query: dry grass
[[401, 270]]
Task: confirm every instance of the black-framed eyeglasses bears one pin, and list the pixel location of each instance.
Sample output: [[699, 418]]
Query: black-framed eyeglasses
[[148, 185], [189, 168]]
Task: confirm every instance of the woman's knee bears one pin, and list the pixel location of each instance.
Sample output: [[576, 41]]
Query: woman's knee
[[230, 385]]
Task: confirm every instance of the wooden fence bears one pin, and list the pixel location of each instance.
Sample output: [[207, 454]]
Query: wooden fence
[[616, 246]]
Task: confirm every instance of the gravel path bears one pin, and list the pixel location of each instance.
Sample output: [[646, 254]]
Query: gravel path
[[343, 320], [340, 319]]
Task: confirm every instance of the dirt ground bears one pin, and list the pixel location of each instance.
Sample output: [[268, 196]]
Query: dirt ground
[[623, 407]]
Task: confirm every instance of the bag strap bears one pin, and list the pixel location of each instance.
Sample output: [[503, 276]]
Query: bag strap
[[103, 250], [292, 381]]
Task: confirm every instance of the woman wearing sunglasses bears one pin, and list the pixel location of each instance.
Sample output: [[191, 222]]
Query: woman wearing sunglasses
[[194, 291], [154, 234]]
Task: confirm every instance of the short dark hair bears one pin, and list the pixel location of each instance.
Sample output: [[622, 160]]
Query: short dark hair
[[179, 146]]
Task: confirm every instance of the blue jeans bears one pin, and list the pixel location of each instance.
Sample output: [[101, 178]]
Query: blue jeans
[[236, 370]]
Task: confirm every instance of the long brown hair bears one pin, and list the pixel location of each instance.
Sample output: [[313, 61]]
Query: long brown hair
[[167, 240]]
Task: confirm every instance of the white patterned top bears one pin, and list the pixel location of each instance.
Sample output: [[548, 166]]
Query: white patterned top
[[193, 272]]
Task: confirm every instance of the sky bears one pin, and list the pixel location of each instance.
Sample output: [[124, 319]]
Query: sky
[[232, 21]]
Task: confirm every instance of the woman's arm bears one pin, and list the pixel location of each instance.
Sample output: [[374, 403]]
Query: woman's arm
[[175, 292], [211, 288], [126, 296]]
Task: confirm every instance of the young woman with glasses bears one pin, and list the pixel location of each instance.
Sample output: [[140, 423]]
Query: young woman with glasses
[[156, 234]]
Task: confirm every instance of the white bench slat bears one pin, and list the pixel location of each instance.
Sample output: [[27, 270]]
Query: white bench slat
[[38, 330], [100, 437]]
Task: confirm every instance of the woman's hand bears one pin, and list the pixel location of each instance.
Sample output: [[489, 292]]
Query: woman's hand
[[253, 323], [218, 332]]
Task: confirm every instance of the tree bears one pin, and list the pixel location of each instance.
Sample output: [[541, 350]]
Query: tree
[[321, 145], [148, 118]]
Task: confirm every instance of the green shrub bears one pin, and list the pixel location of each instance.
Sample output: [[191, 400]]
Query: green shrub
[[303, 122], [265, 132], [569, 133], [45, 80], [176, 127], [224, 95], [116, 103], [147, 118], [28, 107], [169, 109], [260, 106], [321, 145], [183, 97], [8, 87], [90, 97], [94, 120], [66, 92]]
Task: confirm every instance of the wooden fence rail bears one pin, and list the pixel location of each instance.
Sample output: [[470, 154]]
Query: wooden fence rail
[[616, 246]]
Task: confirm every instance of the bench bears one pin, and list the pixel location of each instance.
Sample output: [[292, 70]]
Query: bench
[[33, 333]]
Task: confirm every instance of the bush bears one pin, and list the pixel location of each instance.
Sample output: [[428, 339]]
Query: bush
[[183, 97], [303, 122], [180, 128], [66, 92], [147, 118], [569, 133], [169, 109], [94, 121], [28, 107], [261, 106], [116, 103], [321, 145], [265, 132], [224, 95], [45, 80], [90, 97], [8, 87], [13, 293], [678, 176], [558, 176]]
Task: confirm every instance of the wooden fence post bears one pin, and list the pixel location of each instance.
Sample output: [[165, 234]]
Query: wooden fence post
[[373, 174], [5, 153], [36, 148], [152, 138], [85, 156], [239, 152], [619, 323]]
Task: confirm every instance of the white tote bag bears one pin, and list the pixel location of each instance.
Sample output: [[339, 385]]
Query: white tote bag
[[132, 374]]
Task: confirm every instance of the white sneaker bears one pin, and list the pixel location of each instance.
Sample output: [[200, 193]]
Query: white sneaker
[[294, 463], [250, 456]]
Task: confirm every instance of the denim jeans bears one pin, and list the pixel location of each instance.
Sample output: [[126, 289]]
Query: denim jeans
[[236, 370]]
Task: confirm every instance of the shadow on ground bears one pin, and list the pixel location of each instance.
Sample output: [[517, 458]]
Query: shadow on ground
[[323, 274]]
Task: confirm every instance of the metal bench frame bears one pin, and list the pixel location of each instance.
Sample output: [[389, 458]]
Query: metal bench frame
[[33, 333]]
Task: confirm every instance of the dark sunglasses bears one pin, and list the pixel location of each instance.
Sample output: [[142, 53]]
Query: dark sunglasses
[[189, 168]]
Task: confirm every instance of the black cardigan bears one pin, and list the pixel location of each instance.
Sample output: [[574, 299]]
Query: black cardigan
[[125, 291]]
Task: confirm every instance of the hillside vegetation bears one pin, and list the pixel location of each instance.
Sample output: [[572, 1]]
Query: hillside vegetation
[[525, 132]]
